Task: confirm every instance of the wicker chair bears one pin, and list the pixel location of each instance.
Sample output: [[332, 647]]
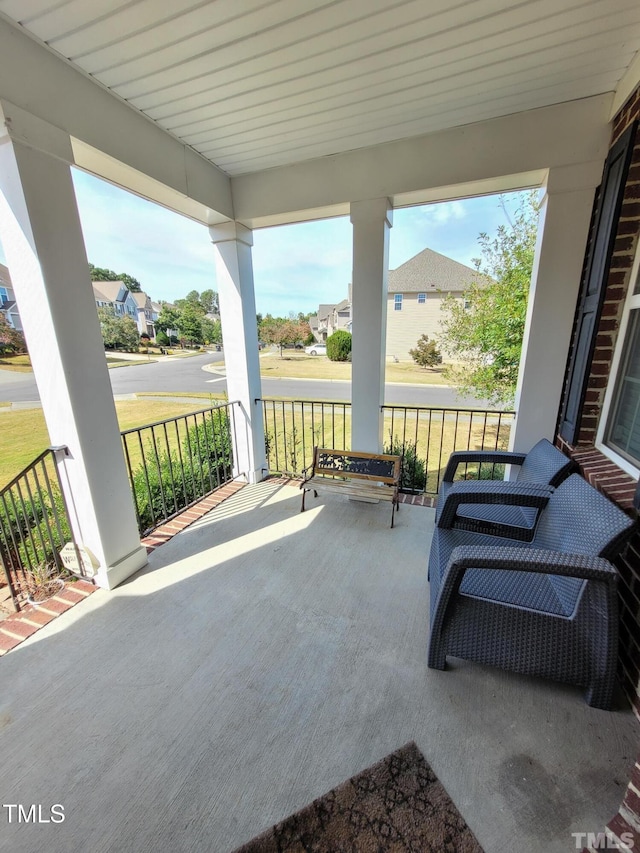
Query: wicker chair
[[546, 607], [543, 464]]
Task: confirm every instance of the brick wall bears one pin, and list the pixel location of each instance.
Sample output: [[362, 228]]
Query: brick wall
[[596, 468], [602, 473]]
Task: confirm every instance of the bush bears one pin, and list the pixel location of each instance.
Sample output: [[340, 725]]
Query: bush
[[339, 345], [162, 339], [29, 532], [177, 479], [426, 354], [413, 471]]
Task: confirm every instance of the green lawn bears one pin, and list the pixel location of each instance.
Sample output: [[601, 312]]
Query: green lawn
[[23, 434], [16, 363], [299, 365]]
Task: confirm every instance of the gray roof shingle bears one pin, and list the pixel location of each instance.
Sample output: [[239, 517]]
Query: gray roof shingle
[[429, 270]]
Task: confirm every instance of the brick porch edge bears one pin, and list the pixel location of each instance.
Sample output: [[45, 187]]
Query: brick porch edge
[[17, 627]]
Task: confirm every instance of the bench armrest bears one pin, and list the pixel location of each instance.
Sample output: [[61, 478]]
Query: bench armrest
[[304, 471], [459, 457], [506, 492]]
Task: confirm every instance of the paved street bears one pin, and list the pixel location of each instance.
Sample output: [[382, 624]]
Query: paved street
[[187, 375]]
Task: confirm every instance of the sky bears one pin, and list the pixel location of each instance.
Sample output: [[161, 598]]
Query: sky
[[296, 267]]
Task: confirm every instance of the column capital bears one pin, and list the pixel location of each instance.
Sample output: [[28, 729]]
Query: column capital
[[227, 232], [22, 127], [372, 210], [576, 176]]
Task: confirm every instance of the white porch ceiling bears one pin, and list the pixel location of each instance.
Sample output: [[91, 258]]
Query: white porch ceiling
[[251, 85]]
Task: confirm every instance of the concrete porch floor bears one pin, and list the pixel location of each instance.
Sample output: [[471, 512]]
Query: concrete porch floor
[[263, 657]]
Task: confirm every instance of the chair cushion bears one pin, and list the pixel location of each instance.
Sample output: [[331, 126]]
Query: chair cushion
[[529, 590]]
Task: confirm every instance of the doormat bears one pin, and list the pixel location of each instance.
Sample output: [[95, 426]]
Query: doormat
[[397, 805]]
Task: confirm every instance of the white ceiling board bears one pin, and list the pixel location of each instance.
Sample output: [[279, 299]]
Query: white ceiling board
[[257, 84]]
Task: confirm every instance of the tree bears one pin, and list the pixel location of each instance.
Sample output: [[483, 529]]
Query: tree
[[103, 274], [168, 318], [211, 331], [339, 345], [282, 332], [205, 302], [484, 332], [209, 302], [118, 332], [190, 323], [11, 340], [426, 353]]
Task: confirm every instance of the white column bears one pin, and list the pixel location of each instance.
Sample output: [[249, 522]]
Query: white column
[[234, 276], [371, 222], [555, 281], [43, 244]]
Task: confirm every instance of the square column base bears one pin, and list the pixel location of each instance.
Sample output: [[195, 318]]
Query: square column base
[[112, 576]]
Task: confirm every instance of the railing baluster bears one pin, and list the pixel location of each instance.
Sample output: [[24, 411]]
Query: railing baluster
[[455, 427], [34, 523]]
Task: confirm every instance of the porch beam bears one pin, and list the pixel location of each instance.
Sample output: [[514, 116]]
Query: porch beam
[[496, 155], [43, 244], [371, 220], [118, 142], [563, 231], [234, 279]]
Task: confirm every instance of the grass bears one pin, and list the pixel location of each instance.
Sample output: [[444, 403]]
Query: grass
[[16, 363], [23, 433], [293, 430], [302, 366]]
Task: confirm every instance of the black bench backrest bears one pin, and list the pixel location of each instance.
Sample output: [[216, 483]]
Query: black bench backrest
[[351, 463]]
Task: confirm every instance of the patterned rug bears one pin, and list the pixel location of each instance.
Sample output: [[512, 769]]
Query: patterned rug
[[397, 805]]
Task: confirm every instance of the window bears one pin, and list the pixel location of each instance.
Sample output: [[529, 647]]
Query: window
[[4, 295], [397, 302], [422, 298], [619, 433]]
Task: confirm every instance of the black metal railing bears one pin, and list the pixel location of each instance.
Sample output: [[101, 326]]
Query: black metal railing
[[34, 527], [426, 437], [293, 428], [176, 462], [423, 436]]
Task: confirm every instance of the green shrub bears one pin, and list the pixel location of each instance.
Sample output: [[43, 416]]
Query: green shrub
[[413, 471], [339, 345], [174, 480], [29, 534], [426, 353]]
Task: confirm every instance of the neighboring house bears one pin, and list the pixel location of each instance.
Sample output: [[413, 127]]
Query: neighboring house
[[8, 305], [145, 314], [323, 314], [416, 292], [117, 296], [330, 318]]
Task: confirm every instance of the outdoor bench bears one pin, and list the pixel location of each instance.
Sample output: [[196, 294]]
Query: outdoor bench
[[365, 476], [547, 607]]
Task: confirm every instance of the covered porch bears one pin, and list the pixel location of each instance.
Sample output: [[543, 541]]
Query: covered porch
[[241, 669], [119, 104], [264, 656]]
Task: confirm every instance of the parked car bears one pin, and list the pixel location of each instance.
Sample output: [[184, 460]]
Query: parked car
[[316, 349]]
